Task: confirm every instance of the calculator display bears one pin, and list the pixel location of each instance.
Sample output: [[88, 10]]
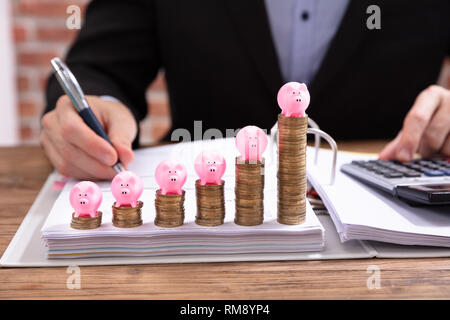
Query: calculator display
[[433, 188]]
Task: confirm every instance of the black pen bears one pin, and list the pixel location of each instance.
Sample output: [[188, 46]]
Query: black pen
[[71, 87]]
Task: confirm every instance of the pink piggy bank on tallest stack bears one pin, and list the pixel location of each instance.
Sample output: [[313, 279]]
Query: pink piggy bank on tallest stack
[[126, 188], [210, 167], [293, 99], [85, 199]]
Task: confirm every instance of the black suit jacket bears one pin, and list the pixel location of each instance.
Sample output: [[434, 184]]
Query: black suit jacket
[[221, 65]]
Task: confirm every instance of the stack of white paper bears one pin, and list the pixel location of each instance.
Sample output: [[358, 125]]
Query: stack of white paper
[[149, 240], [362, 212]]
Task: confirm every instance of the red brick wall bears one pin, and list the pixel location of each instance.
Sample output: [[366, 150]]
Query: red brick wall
[[40, 33]]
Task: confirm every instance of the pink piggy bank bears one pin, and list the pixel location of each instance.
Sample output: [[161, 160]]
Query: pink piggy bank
[[126, 188], [251, 142], [293, 99], [170, 176], [210, 167], [85, 198]]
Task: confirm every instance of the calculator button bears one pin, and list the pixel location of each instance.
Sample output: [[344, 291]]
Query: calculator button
[[384, 171], [413, 174], [393, 175], [433, 173], [443, 163], [423, 162], [414, 166]]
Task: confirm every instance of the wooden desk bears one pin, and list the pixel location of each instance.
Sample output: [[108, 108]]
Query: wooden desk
[[23, 170]]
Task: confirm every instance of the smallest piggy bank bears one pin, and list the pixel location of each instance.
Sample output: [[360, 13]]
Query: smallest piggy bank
[[170, 175], [210, 167], [251, 142], [126, 188], [85, 198], [293, 99]]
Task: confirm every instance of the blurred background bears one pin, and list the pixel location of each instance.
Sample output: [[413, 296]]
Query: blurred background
[[31, 33], [34, 31]]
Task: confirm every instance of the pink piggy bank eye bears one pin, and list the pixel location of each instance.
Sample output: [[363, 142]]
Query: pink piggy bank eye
[[170, 171], [79, 195], [85, 194], [175, 171], [127, 184]]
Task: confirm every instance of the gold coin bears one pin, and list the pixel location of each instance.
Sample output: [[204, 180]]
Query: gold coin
[[249, 193], [86, 223], [210, 204], [169, 210], [127, 217], [291, 173]]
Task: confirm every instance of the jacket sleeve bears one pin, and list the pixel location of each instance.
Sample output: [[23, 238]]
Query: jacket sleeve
[[114, 54]]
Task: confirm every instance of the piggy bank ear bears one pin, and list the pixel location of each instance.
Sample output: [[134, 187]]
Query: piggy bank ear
[[303, 87], [262, 140], [75, 190], [117, 178], [179, 167], [132, 179], [90, 189]]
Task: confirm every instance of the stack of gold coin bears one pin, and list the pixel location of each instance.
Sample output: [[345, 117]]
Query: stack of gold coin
[[292, 169], [85, 223], [169, 209], [249, 192], [127, 217], [210, 204]]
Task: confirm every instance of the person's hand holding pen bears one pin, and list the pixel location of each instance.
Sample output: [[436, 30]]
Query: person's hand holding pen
[[76, 150], [426, 128]]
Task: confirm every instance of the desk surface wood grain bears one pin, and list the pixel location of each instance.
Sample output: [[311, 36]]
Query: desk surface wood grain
[[23, 171]]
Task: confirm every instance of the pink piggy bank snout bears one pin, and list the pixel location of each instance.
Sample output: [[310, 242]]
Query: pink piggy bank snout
[[125, 191], [84, 201], [297, 99]]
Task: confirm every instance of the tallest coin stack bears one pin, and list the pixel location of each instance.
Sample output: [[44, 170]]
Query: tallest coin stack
[[292, 169], [293, 98]]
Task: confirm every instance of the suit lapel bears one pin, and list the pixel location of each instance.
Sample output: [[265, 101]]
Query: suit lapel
[[252, 27], [343, 46]]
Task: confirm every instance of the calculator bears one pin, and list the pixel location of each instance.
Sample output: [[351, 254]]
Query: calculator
[[419, 181]]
